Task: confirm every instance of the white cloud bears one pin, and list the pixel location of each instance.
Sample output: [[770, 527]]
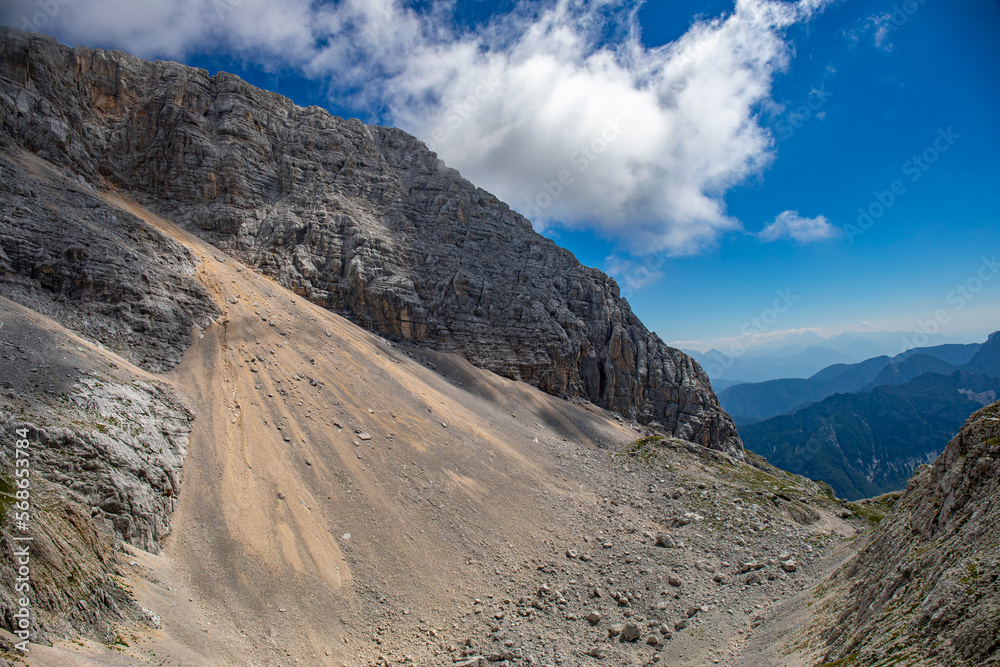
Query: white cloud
[[646, 140], [151, 29], [791, 225], [880, 26]]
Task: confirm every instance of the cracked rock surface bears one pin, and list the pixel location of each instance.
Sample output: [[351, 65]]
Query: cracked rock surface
[[925, 587], [361, 219]]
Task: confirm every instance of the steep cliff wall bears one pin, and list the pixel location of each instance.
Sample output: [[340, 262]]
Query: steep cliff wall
[[361, 219], [924, 589]]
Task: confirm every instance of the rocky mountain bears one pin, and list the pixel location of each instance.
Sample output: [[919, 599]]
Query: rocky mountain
[[105, 446], [987, 358], [924, 589], [224, 471], [66, 254], [755, 401], [300, 490], [867, 443], [360, 219]]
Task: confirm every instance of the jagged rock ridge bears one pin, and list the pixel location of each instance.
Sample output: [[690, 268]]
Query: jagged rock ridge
[[358, 218], [924, 589]]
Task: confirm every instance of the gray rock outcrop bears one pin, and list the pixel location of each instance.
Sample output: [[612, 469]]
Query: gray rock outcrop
[[361, 219], [925, 587], [103, 273], [114, 442], [105, 445]]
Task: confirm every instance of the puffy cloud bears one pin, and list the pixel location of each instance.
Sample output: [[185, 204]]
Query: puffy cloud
[[791, 225], [538, 106], [639, 143], [151, 29]]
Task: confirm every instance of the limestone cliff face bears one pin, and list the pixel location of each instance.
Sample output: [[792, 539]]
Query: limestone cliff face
[[66, 254], [925, 586], [361, 219]]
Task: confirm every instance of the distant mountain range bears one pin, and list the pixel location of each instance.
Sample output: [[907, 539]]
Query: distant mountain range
[[864, 427], [757, 366], [867, 443], [755, 401], [798, 356]]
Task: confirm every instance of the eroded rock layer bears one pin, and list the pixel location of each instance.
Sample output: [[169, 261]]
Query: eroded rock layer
[[361, 219], [924, 589]]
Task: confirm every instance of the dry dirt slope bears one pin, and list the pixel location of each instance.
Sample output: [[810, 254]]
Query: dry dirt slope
[[291, 521], [344, 503]]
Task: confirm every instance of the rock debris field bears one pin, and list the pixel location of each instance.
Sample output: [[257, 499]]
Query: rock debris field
[[347, 500]]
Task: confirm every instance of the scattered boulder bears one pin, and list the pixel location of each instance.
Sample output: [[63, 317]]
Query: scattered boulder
[[803, 514], [630, 632], [666, 540]]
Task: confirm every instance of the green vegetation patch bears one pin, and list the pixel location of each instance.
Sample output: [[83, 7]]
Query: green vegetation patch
[[7, 497], [874, 509], [851, 659], [644, 449]]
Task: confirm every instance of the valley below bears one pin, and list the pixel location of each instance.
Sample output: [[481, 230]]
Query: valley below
[[346, 500], [280, 388]]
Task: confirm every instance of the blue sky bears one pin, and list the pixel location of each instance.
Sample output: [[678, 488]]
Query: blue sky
[[738, 141], [886, 105]]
